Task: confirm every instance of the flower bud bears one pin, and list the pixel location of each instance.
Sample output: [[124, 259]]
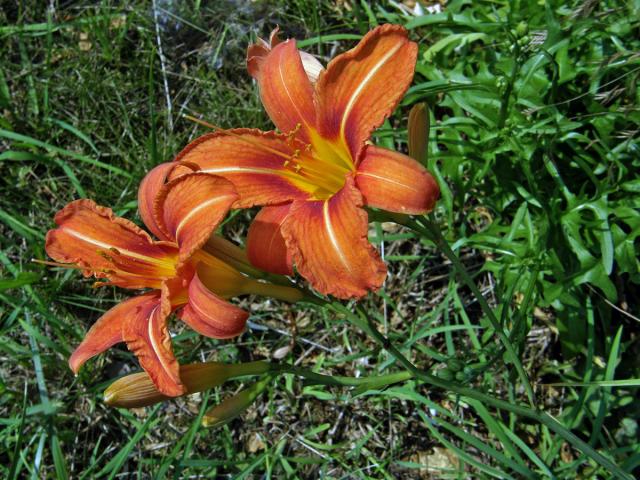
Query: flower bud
[[522, 29], [445, 374], [137, 390], [418, 132], [455, 364], [235, 405]]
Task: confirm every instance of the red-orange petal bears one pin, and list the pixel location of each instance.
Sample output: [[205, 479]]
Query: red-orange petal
[[257, 52], [285, 89], [361, 88], [189, 209], [394, 182], [266, 247], [94, 238], [329, 245], [252, 160], [149, 189], [210, 315], [107, 331], [148, 338]]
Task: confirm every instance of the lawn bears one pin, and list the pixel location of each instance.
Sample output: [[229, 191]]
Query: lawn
[[508, 321]]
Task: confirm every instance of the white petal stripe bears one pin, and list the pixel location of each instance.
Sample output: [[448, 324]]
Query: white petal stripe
[[332, 236], [388, 180], [156, 343], [366, 80], [107, 246], [187, 217]]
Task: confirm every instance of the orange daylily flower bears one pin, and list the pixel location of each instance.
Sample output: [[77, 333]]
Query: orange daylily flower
[[183, 213], [315, 178]]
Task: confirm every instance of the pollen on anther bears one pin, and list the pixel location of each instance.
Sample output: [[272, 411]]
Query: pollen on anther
[[292, 134], [105, 255]]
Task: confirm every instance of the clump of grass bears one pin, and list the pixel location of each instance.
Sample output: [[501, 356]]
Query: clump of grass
[[534, 139]]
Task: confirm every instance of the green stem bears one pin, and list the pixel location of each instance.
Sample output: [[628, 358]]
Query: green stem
[[504, 106], [541, 417], [432, 231], [373, 381], [287, 294]]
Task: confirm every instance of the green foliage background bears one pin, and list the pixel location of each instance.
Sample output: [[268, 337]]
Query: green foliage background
[[535, 142]]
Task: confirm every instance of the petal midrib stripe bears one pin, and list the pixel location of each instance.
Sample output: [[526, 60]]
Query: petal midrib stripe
[[156, 343], [261, 171], [107, 246], [332, 236], [388, 180], [286, 89], [365, 81], [194, 211]]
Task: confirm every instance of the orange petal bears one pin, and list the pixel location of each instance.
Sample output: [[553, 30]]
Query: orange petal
[[210, 315], [285, 89], [329, 245], [257, 52], [107, 331], [189, 208], [252, 160], [149, 189], [361, 88], [392, 181], [148, 338], [108, 246], [266, 248]]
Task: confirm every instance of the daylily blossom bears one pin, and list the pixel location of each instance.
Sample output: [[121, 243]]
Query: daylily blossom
[[181, 276], [316, 176]]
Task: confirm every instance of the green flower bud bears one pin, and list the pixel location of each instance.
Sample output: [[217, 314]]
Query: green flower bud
[[235, 405], [522, 29], [445, 374], [455, 364], [418, 132]]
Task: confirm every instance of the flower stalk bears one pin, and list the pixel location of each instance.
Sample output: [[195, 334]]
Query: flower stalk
[[363, 321], [428, 228], [137, 390]]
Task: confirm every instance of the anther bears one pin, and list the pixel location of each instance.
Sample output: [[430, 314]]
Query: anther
[[292, 134], [105, 255]]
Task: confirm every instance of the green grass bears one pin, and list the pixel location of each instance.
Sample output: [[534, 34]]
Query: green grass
[[535, 142]]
